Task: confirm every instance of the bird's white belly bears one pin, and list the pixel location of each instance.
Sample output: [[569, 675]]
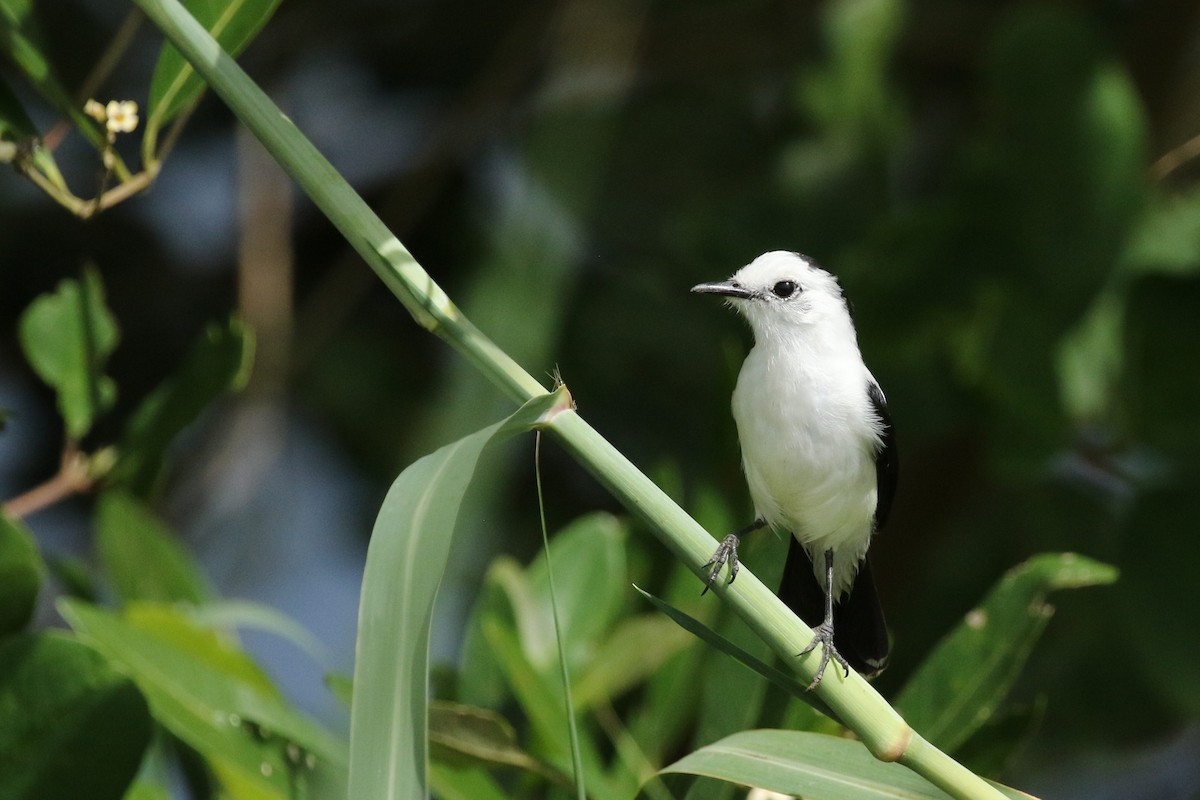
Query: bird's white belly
[[808, 452]]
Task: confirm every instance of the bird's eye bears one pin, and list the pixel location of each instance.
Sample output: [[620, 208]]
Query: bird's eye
[[784, 288]]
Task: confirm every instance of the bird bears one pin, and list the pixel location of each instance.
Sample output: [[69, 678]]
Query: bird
[[818, 453]]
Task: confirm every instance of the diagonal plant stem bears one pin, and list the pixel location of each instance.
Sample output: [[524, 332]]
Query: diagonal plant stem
[[881, 729]]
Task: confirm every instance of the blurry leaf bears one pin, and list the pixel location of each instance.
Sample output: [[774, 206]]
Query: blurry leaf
[[218, 363], [145, 790], [990, 749], [67, 338], [244, 615], [471, 783], [75, 576], [962, 682], [850, 97], [15, 124], [811, 765], [1162, 345], [70, 726], [480, 680], [409, 549], [140, 555], [21, 573], [1156, 597], [458, 732], [233, 23], [342, 687], [589, 563], [632, 652], [21, 40], [206, 692], [1090, 360], [1167, 237]]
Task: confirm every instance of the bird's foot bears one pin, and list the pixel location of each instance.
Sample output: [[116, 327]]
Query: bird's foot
[[823, 635], [726, 553]]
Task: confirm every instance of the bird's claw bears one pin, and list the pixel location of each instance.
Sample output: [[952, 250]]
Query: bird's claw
[[726, 553], [823, 635]]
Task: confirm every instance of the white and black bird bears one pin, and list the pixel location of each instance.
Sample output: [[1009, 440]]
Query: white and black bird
[[818, 451]]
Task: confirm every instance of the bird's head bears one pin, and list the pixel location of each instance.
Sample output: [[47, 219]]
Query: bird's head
[[782, 292]]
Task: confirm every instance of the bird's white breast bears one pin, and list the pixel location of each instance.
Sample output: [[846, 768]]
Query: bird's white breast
[[809, 435]]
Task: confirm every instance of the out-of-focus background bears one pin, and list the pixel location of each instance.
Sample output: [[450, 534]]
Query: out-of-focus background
[[1005, 190]]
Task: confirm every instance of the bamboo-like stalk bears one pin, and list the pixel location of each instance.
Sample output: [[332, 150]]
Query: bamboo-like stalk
[[857, 704]]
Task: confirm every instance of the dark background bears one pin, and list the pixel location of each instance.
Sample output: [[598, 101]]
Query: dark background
[[987, 179]]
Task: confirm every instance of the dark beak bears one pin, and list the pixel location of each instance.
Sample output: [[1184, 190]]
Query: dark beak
[[729, 288]]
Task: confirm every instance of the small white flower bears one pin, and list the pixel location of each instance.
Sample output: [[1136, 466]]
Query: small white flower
[[122, 115]]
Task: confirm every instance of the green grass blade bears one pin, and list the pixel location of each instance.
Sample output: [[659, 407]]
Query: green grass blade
[[809, 765], [964, 680], [572, 728], [409, 549]]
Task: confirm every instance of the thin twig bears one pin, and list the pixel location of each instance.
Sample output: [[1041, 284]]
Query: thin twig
[[72, 478]]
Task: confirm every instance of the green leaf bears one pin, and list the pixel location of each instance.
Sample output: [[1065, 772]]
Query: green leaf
[[471, 783], [70, 726], [175, 85], [67, 338], [810, 765], [244, 615], [589, 563], [963, 681], [206, 691], [459, 734], [407, 557], [145, 790], [219, 362], [633, 652], [140, 555], [21, 573]]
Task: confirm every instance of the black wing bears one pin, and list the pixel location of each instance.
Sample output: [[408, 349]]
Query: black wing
[[887, 460]]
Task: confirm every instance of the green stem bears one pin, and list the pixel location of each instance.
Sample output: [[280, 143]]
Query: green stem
[[852, 698]]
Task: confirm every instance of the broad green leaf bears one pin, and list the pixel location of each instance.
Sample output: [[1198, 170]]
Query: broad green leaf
[[207, 692], [218, 363], [962, 682], [233, 23], [140, 555], [589, 563], [67, 337], [70, 725], [21, 573], [409, 549], [469, 783], [629, 655], [809, 765]]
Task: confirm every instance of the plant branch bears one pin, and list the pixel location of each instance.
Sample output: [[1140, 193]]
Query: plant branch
[[73, 477]]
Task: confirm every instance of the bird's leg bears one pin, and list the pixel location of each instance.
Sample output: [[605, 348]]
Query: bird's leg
[[823, 634], [727, 553]]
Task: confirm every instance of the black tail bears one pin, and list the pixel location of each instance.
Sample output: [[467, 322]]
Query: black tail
[[859, 630]]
